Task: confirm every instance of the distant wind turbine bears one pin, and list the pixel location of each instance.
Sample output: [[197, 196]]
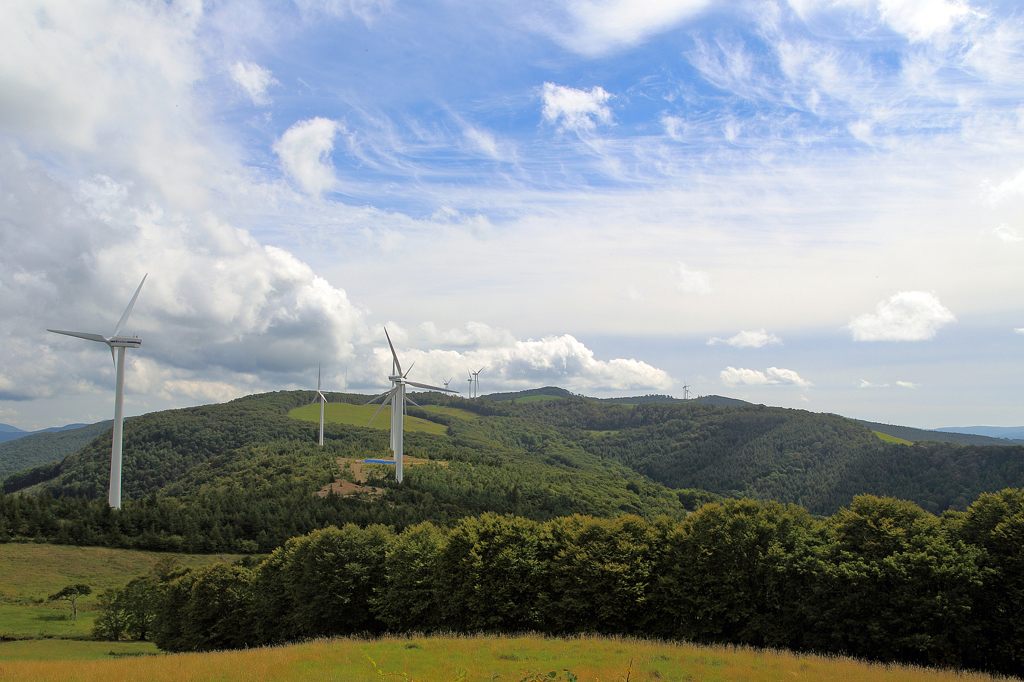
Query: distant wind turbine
[[469, 391], [476, 382], [322, 400], [396, 396], [120, 343]]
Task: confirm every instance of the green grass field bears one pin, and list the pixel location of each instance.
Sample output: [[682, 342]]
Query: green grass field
[[469, 659], [886, 437], [42, 631], [359, 415], [537, 398]]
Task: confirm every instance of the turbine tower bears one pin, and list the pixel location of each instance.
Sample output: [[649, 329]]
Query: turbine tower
[[396, 396], [321, 399], [120, 343], [469, 391], [476, 382]]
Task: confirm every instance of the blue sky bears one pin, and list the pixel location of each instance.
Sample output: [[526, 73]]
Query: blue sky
[[812, 204]]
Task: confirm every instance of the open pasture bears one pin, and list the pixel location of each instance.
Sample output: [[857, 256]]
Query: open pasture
[[892, 439], [451, 659], [359, 415]]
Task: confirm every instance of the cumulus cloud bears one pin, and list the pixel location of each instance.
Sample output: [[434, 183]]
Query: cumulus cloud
[[692, 281], [255, 80], [733, 376], [906, 316], [305, 149], [575, 110], [745, 339], [511, 364]]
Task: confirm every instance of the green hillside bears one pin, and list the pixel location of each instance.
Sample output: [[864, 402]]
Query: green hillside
[[241, 476], [46, 447]]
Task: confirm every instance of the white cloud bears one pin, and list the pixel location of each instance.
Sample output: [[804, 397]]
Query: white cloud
[[1019, 330], [745, 339], [692, 281], [574, 109], [595, 27], [511, 364], [367, 10], [1007, 234], [864, 383], [1006, 189], [305, 150], [919, 20], [906, 316], [255, 80], [733, 376], [907, 384]]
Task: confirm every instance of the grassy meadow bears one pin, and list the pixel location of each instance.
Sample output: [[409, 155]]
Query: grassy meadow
[[451, 659], [32, 628], [883, 436], [359, 415]]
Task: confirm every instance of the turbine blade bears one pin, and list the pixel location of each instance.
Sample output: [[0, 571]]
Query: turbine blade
[[419, 385], [388, 400], [410, 400], [321, 396], [112, 358], [128, 311], [318, 378], [409, 370], [81, 335], [393, 353], [375, 398]]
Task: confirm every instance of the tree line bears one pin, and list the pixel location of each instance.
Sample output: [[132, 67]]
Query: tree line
[[881, 579]]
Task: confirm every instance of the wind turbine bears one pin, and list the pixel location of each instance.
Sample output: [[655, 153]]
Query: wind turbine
[[321, 399], [446, 382], [396, 396], [476, 382], [469, 391], [120, 343]]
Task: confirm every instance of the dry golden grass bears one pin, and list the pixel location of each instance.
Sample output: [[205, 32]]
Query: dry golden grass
[[446, 659]]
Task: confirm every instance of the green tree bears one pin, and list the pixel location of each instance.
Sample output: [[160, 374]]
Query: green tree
[[71, 594], [994, 524], [112, 621], [407, 600], [489, 575], [889, 584]]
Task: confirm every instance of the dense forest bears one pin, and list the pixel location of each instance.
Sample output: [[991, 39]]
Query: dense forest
[[881, 579]]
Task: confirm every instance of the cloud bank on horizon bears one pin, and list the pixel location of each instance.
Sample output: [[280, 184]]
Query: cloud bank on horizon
[[500, 184]]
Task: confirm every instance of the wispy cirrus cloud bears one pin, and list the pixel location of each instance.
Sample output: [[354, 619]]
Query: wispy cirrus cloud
[[255, 80]]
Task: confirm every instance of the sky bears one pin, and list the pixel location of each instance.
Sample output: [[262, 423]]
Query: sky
[[814, 204]]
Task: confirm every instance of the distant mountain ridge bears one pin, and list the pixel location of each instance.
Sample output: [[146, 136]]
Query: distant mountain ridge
[[8, 432], [33, 449], [915, 435], [1015, 433]]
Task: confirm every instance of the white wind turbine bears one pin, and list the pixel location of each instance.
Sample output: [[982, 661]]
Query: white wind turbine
[[476, 382], [396, 396], [322, 400], [120, 343]]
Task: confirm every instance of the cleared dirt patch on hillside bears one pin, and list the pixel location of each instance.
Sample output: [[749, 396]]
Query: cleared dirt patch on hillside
[[360, 471]]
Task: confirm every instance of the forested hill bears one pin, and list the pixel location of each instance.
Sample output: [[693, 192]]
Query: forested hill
[[43, 447], [540, 458]]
